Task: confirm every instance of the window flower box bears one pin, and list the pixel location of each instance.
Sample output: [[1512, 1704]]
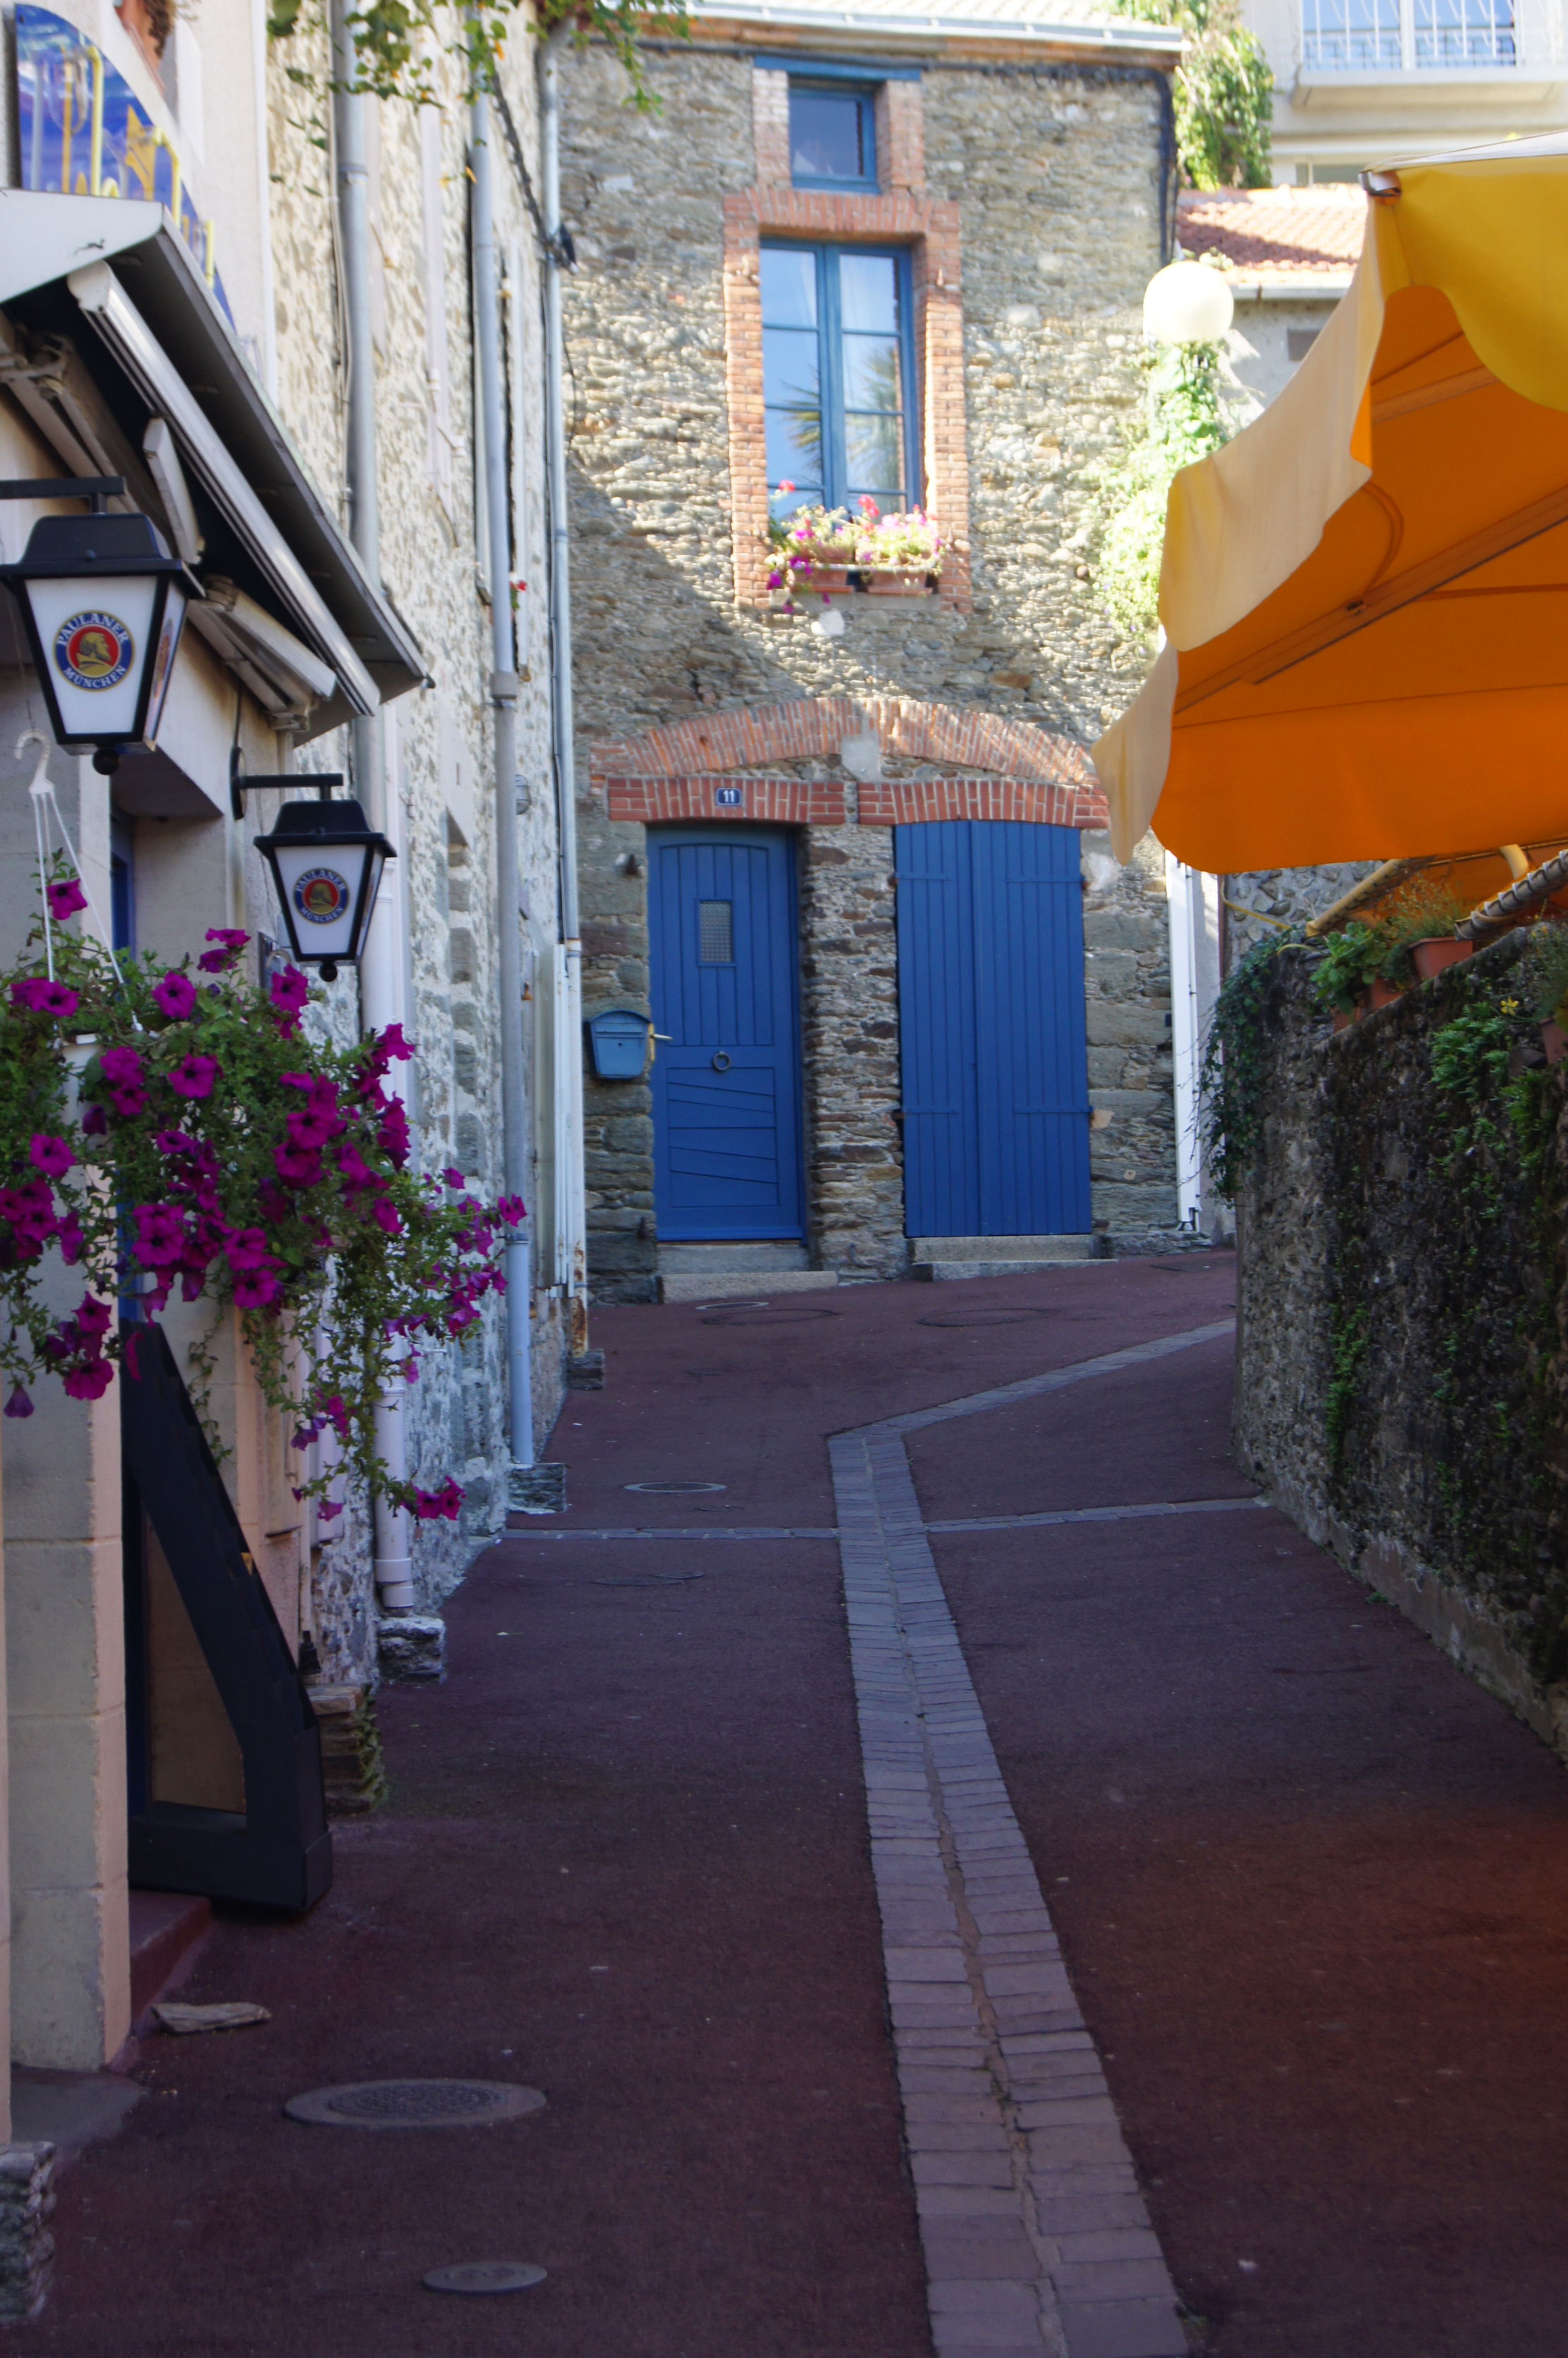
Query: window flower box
[[831, 552], [898, 582]]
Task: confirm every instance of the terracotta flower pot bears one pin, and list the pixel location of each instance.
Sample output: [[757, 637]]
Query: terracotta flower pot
[[826, 578], [894, 584], [1554, 1040], [1439, 950], [1344, 1017], [1382, 994]]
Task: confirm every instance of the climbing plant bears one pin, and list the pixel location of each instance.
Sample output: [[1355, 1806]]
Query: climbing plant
[[1224, 96], [1230, 1080], [397, 41], [1183, 418]]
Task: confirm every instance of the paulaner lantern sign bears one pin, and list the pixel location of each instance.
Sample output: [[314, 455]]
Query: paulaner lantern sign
[[326, 862], [103, 601]]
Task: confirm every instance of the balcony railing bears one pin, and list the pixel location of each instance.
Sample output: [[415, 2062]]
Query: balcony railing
[[1406, 36]]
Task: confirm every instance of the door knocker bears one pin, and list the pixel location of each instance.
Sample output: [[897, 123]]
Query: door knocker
[[721, 1062]]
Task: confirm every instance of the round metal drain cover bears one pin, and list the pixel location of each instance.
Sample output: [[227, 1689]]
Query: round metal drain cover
[[485, 2276], [672, 1490], [997, 1317], [415, 2105]]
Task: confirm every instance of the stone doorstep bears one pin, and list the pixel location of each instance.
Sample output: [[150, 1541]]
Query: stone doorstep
[[1021, 1252], [946, 1272], [754, 1286]]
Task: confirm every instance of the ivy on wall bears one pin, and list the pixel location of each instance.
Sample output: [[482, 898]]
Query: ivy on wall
[[1184, 417], [395, 42]]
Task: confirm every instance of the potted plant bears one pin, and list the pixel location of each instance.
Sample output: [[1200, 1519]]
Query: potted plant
[[1349, 979], [826, 551], [1418, 925], [161, 1128]]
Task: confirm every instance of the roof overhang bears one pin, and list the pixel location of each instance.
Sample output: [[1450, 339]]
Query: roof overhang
[[934, 34], [128, 276]]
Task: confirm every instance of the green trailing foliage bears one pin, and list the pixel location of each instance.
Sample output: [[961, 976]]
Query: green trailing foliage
[[1183, 419], [1230, 1080], [1379, 949], [397, 41], [166, 1130], [1224, 96], [1351, 1336]]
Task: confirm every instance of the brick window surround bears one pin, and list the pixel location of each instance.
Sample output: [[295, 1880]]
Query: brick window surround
[[678, 770], [899, 214]]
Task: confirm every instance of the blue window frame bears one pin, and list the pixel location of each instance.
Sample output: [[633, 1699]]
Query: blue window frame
[[839, 377], [832, 134]]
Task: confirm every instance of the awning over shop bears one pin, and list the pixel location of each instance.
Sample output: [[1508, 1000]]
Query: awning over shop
[[1364, 595], [110, 276]]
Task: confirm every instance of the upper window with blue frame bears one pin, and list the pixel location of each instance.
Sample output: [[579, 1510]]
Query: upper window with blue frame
[[839, 377], [832, 134]]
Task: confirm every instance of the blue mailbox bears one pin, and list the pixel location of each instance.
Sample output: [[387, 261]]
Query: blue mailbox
[[619, 1039]]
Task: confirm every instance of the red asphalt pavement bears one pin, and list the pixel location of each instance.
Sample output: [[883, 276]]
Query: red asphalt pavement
[[1312, 1885]]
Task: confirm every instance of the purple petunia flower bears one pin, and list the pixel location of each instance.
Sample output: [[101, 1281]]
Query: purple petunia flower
[[256, 1288], [246, 1249], [44, 997], [18, 1404], [50, 1155], [175, 996], [160, 1235], [299, 1165], [512, 1210], [230, 941], [193, 1076], [91, 1382], [65, 897]]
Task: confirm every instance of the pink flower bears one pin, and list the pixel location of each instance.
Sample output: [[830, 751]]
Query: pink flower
[[176, 997], [256, 1288], [335, 1412], [193, 1076], [392, 1136], [160, 1235], [91, 1382], [512, 1210], [356, 1171], [289, 990], [776, 581], [29, 1209], [96, 1122], [44, 997], [72, 1242], [65, 897], [93, 1318], [328, 1509], [246, 1249], [299, 1165], [50, 1155], [453, 1176], [786, 487], [121, 1068], [393, 1044], [385, 1217], [231, 942], [430, 1505], [868, 505]]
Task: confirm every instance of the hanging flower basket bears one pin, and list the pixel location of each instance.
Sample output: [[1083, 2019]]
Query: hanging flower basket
[[161, 1128]]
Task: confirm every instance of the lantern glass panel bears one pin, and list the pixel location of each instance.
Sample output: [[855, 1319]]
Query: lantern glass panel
[[92, 633], [163, 660], [319, 886]]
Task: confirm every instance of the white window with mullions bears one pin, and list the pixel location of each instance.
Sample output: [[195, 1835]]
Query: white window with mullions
[[1399, 35], [839, 377]]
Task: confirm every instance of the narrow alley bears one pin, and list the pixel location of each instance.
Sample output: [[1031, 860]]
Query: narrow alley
[[1307, 1879]]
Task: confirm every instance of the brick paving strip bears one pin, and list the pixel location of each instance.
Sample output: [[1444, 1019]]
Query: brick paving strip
[[1036, 2241], [970, 1523]]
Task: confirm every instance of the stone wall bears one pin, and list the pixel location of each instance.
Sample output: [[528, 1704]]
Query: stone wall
[[1257, 903], [1401, 1370], [437, 742], [1052, 175]]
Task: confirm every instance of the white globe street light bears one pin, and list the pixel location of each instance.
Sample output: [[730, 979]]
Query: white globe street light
[[1187, 304]]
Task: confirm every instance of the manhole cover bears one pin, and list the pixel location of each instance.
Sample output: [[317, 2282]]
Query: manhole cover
[[999, 1317], [485, 2276], [771, 1317], [415, 2105], [672, 1490]]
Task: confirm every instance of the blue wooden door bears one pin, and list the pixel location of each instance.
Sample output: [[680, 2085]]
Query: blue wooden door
[[995, 1069], [727, 1080]]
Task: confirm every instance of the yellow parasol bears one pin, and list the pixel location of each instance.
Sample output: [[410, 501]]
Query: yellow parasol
[[1364, 595]]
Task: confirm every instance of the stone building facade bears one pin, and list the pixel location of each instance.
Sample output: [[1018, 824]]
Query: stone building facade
[[1026, 181]]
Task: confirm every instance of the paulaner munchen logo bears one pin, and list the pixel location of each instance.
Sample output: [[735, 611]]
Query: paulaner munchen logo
[[93, 650], [321, 895]]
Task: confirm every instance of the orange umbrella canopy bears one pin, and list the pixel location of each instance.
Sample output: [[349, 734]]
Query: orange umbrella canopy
[[1364, 595]]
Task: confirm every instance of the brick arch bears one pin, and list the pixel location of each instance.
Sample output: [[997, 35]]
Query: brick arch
[[1013, 768]]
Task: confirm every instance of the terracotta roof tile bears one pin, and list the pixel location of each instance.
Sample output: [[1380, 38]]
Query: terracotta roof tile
[[1277, 234]]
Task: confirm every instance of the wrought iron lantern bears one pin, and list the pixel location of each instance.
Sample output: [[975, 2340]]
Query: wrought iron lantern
[[103, 603], [326, 862]]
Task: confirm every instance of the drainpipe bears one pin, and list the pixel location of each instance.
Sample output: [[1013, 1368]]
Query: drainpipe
[[503, 701], [381, 971], [571, 1205]]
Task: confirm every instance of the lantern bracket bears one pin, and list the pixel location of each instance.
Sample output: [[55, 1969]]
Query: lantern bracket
[[241, 783], [97, 489]]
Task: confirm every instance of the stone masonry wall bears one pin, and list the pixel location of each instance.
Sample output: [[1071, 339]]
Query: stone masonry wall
[[1402, 1372], [438, 739], [1053, 173]]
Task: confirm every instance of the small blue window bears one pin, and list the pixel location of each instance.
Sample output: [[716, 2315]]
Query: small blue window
[[839, 377], [832, 135]]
